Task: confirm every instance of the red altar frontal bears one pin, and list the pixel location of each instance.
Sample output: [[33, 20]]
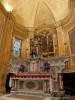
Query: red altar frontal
[[38, 75]]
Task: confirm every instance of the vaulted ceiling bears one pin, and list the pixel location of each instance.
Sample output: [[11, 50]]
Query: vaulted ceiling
[[35, 13]]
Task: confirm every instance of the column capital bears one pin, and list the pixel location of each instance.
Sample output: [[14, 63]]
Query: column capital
[[58, 24]]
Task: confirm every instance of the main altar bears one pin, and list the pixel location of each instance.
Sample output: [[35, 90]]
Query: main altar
[[39, 75]]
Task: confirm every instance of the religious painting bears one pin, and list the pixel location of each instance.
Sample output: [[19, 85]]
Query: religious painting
[[42, 42]]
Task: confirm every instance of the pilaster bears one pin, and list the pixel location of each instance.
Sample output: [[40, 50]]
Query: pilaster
[[5, 49], [61, 40]]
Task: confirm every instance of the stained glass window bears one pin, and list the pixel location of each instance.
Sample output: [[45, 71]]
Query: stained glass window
[[16, 48]]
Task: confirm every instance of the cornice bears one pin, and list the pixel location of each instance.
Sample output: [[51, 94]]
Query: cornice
[[44, 28]]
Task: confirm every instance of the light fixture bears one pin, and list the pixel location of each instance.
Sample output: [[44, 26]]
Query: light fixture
[[8, 7]]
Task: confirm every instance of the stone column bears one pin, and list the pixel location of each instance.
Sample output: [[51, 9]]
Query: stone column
[[44, 86], [51, 84], [60, 81]]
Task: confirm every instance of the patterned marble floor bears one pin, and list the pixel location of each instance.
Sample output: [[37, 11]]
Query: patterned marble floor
[[27, 97], [19, 97]]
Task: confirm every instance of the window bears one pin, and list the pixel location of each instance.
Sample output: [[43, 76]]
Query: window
[[16, 47]]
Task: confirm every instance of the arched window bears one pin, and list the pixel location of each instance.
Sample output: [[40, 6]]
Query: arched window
[[16, 47]]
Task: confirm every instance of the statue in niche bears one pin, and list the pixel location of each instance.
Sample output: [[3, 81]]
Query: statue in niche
[[33, 53]]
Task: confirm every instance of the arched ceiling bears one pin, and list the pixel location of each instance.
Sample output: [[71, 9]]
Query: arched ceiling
[[43, 15], [31, 13]]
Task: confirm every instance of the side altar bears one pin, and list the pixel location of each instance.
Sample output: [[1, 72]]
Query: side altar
[[39, 75]]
